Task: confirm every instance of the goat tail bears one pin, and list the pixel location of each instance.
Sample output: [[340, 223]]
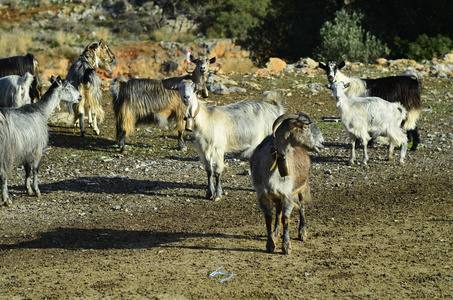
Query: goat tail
[[411, 119], [125, 119]]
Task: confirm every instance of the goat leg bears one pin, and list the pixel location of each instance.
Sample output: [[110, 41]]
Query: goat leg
[[352, 157], [27, 167], [210, 190], [182, 146], [414, 137], [218, 187], [95, 125], [403, 152], [35, 177], [302, 224], [270, 245], [365, 151], [287, 248], [278, 218], [4, 186], [82, 124]]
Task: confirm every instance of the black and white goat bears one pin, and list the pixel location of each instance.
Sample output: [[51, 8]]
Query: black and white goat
[[370, 117], [235, 128], [285, 186], [19, 65], [24, 134], [145, 101], [84, 77], [405, 89]]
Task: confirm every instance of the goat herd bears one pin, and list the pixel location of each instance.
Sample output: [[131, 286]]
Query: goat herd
[[275, 142]]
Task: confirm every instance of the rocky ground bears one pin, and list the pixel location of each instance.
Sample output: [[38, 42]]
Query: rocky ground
[[137, 226]]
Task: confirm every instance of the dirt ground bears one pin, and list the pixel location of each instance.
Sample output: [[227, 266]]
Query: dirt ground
[[137, 226]]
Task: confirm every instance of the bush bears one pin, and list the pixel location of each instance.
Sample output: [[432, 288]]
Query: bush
[[427, 48], [344, 39]]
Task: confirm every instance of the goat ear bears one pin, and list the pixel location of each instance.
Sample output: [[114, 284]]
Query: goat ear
[[212, 60], [347, 85], [52, 79], [322, 66], [192, 59], [100, 42], [341, 65]]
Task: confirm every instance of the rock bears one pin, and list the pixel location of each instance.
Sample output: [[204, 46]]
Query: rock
[[218, 89], [275, 65]]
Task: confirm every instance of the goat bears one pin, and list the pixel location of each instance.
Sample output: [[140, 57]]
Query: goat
[[365, 116], [15, 90], [144, 101], [293, 134], [19, 65], [24, 134], [405, 89], [235, 128], [83, 76]]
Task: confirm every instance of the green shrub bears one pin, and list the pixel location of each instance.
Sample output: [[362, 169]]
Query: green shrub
[[428, 47], [344, 39]]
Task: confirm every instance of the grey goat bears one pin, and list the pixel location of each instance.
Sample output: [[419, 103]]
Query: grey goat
[[280, 168], [235, 128], [24, 134], [14, 90]]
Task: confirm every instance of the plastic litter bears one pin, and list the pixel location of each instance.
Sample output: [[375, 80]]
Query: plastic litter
[[221, 271]]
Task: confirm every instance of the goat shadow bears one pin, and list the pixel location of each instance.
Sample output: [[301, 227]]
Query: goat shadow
[[105, 239], [118, 185]]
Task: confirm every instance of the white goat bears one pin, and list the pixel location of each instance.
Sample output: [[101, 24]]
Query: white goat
[[24, 134], [294, 135], [235, 128], [405, 89], [15, 90], [365, 116]]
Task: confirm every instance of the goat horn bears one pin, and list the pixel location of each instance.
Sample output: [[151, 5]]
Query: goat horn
[[282, 118]]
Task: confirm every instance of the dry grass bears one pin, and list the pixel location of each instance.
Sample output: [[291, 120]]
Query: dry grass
[[239, 65], [164, 35], [15, 42]]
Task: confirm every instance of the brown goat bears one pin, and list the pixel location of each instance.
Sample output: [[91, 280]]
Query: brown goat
[[285, 151]]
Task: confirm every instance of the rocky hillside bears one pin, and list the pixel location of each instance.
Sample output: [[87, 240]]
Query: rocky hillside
[[129, 26]]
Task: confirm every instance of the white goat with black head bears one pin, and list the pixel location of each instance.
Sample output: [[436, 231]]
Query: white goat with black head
[[370, 117], [280, 170], [15, 90], [405, 89], [24, 134], [235, 128]]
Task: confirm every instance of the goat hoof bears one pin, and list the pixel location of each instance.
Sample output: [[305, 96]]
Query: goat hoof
[[270, 246], [287, 248], [7, 203], [218, 198], [303, 236]]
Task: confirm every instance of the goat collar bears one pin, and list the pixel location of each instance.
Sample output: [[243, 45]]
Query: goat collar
[[279, 161], [196, 111]]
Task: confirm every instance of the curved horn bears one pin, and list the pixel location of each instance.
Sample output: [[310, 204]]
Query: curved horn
[[280, 120]]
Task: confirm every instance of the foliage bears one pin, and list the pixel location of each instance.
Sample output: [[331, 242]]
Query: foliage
[[288, 30], [427, 48], [345, 39], [228, 18]]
